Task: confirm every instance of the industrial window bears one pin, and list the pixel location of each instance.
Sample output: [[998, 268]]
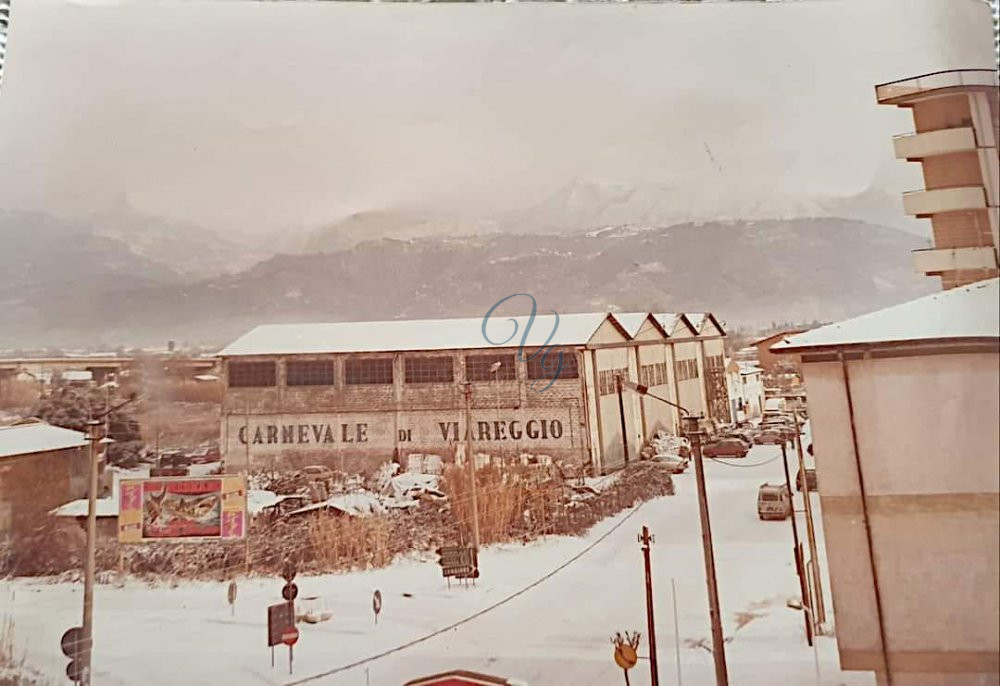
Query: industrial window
[[569, 368], [309, 373], [686, 369], [606, 380], [429, 369], [653, 374], [715, 361], [480, 368], [252, 374], [368, 371]]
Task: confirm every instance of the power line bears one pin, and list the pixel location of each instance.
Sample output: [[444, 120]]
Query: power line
[[480, 613], [755, 464]]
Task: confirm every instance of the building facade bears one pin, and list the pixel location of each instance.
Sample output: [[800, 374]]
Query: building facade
[[41, 467], [904, 406], [746, 390], [356, 394], [956, 118]]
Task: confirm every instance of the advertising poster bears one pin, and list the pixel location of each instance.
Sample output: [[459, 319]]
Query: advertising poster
[[182, 509]]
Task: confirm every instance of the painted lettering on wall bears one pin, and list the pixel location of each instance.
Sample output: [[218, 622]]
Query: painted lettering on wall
[[551, 368], [298, 434], [506, 430]]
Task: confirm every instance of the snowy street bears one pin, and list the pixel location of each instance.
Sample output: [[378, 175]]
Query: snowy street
[[556, 632]]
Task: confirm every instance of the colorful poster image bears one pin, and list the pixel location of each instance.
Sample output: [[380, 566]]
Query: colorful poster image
[[182, 509]]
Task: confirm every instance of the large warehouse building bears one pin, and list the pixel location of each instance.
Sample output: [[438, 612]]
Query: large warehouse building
[[350, 395]]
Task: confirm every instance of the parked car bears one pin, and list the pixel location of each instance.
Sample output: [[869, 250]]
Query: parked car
[[769, 437], [810, 480], [744, 436], [774, 501], [726, 447]]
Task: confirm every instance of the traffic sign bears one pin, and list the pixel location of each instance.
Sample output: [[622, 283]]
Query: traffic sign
[[377, 603], [74, 670], [73, 643], [290, 591], [280, 618], [625, 656], [288, 571], [459, 561], [290, 636]]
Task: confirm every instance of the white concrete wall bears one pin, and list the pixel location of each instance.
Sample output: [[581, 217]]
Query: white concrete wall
[[928, 441]]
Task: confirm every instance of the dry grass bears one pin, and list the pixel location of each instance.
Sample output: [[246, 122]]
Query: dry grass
[[511, 501], [13, 671], [340, 542]]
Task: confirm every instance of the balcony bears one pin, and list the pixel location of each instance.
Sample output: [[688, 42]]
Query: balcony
[[927, 203], [904, 90], [937, 260], [917, 146]]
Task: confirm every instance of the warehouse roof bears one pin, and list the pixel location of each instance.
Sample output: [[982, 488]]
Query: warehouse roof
[[632, 321], [417, 334], [960, 314], [37, 437]]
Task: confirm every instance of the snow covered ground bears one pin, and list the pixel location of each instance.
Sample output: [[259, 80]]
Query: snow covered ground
[[555, 632]]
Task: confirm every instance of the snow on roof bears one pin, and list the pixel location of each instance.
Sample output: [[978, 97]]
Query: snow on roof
[[38, 437], [418, 334], [697, 320], [968, 312], [631, 321], [749, 368], [76, 375]]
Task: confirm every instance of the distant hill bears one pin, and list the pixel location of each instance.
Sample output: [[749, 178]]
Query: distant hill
[[746, 272]]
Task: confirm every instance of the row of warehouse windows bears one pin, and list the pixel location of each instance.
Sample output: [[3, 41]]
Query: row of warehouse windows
[[686, 369], [371, 371]]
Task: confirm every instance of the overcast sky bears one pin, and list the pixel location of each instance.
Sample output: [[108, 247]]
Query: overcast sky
[[287, 115]]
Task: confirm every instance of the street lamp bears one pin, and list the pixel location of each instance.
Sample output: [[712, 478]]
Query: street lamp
[[693, 433]]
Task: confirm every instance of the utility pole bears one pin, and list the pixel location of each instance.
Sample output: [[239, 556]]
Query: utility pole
[[621, 413], [654, 674], [797, 550], [693, 433], [820, 610], [93, 435], [472, 462]]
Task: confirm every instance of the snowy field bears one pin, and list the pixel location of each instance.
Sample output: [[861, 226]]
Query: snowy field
[[555, 632]]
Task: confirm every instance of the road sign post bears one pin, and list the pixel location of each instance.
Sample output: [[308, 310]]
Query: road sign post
[[460, 562], [377, 603], [76, 647]]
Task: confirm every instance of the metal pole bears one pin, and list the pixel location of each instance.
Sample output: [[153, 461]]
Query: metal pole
[[621, 413], [693, 433], [89, 562], [654, 673], [677, 630], [803, 587], [472, 464], [820, 616]]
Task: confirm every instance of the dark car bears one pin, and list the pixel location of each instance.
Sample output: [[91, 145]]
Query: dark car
[[769, 437], [726, 447], [810, 480], [741, 434]]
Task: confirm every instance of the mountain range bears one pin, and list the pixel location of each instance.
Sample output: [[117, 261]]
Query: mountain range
[[69, 285]]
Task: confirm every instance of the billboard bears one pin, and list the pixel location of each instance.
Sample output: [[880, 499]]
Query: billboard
[[182, 509]]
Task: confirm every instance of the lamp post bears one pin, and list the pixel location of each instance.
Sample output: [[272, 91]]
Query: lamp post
[[694, 434], [87, 628]]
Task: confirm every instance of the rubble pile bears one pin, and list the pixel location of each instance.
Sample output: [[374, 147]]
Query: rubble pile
[[414, 516]]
